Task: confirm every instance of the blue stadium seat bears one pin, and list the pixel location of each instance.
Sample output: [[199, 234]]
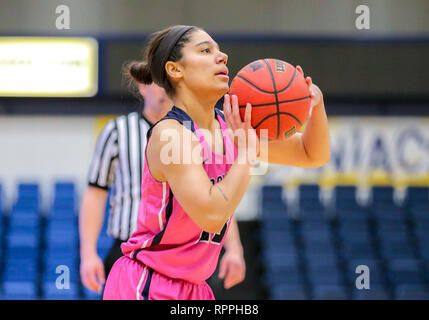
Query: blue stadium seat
[[324, 235], [411, 292], [64, 213], [272, 239], [104, 244], [58, 253], [329, 292], [382, 196], [322, 247], [358, 250], [373, 293], [353, 226], [19, 290], [20, 216], [325, 275], [345, 196], [388, 213], [28, 190], [317, 260], [269, 225], [19, 270], [396, 249], [417, 197], [27, 197], [283, 274], [64, 197], [406, 271], [287, 292], [354, 236], [64, 244], [353, 214], [278, 237], [419, 214], [283, 262], [311, 227], [62, 224], [18, 240], [271, 194], [392, 226], [28, 253], [68, 231], [424, 246], [309, 197], [23, 224], [421, 231], [64, 188], [393, 231], [313, 215], [91, 295], [346, 205], [51, 292]]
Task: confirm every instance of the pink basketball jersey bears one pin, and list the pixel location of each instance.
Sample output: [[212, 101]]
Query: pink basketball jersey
[[167, 239]]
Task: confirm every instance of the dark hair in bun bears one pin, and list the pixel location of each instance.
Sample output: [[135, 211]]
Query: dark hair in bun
[[147, 71], [140, 72]]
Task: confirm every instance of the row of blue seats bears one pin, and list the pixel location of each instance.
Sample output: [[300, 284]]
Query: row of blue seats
[[339, 292], [347, 195], [316, 253], [36, 247], [28, 197]]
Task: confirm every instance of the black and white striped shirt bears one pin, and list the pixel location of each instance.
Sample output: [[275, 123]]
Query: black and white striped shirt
[[117, 166]]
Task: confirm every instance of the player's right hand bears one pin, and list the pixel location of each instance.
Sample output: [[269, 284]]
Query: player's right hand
[[92, 272], [241, 132]]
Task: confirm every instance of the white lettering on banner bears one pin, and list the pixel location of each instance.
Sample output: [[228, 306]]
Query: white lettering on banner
[[395, 145], [360, 145]]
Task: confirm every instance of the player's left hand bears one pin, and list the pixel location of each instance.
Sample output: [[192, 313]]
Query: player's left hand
[[232, 268], [315, 92]]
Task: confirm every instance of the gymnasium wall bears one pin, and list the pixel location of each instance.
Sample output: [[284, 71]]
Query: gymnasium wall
[[334, 17], [43, 149], [341, 68]]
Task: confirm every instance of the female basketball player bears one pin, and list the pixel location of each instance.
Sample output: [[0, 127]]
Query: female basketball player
[[186, 207]]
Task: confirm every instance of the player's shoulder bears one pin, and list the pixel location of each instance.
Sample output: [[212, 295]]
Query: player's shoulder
[[169, 131], [165, 129], [166, 124]]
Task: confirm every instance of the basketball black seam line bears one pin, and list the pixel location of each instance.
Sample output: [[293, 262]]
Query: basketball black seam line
[[280, 102], [290, 82], [256, 87], [280, 113], [277, 98]]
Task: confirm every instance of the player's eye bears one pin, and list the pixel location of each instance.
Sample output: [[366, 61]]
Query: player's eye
[[206, 50]]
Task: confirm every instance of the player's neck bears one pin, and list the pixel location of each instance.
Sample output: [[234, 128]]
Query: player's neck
[[200, 110]]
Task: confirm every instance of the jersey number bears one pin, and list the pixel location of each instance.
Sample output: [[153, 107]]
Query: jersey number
[[211, 237]]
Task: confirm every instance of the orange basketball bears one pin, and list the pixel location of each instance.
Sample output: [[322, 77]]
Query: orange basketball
[[278, 93]]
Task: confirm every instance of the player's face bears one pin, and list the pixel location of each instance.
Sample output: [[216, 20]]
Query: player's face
[[204, 67]]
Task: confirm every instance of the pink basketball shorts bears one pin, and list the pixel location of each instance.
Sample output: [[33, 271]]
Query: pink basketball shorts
[[131, 280]]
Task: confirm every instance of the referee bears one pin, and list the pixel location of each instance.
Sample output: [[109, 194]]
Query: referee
[[117, 166]]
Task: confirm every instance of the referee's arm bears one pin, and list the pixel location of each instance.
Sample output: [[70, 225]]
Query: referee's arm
[[91, 215]]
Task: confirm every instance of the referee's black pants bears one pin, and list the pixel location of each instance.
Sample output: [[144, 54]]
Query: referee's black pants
[[114, 254]]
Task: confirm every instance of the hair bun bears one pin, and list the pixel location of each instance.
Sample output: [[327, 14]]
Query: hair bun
[[140, 72]]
